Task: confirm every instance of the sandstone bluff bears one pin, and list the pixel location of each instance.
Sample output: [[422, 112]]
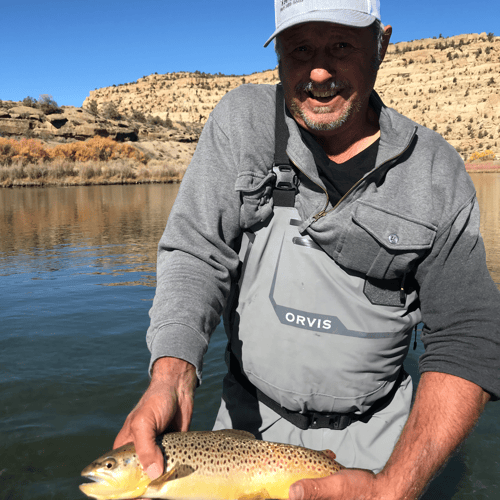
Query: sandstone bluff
[[451, 85]]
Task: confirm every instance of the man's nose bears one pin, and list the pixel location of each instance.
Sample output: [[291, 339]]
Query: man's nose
[[322, 68], [320, 75]]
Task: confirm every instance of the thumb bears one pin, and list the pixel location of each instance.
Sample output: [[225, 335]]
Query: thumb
[[149, 454], [309, 489]]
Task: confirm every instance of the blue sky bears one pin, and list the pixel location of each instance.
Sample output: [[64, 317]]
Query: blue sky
[[67, 48]]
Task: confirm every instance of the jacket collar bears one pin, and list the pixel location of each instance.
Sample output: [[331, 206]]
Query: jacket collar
[[396, 134]]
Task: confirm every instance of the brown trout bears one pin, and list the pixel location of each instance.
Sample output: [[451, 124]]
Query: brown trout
[[208, 465]]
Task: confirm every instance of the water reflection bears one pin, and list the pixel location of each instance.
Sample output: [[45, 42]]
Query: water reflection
[[113, 230], [488, 194], [116, 228]]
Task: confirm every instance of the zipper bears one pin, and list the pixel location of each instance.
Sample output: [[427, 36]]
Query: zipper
[[402, 292], [325, 212], [319, 215]]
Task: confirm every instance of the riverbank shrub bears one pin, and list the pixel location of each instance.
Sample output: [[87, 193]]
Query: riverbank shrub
[[28, 151], [97, 148], [482, 156], [70, 173], [23, 150], [30, 162], [64, 172]]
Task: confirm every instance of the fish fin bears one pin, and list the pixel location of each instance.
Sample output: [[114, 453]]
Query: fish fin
[[257, 495], [329, 454], [236, 433], [177, 472]]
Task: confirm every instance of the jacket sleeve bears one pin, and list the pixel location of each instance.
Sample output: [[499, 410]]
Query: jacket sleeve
[[196, 256], [461, 305]]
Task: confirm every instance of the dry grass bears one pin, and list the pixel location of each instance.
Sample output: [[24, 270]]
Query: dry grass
[[70, 173], [29, 162], [28, 151]]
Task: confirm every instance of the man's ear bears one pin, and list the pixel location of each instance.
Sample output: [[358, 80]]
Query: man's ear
[[385, 41]]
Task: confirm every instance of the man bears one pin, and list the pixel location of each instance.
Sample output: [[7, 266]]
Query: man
[[323, 266]]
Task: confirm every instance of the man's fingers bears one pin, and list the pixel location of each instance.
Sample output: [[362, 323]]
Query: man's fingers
[[346, 484], [168, 400], [154, 471], [304, 490], [123, 437], [150, 457], [296, 491], [148, 452], [311, 489]]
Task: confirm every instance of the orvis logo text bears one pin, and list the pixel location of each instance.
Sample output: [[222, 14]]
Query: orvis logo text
[[288, 3], [308, 322]]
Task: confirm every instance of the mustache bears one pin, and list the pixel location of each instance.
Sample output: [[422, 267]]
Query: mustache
[[334, 85]]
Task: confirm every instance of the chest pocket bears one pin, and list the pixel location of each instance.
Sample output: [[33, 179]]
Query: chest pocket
[[256, 194], [383, 245]]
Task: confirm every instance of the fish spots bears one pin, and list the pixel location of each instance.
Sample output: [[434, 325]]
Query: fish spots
[[224, 458], [226, 453]]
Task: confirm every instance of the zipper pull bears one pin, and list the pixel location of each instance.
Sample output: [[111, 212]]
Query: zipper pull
[[402, 293], [319, 215]]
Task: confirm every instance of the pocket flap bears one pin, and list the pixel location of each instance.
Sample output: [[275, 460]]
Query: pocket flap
[[250, 182], [394, 232], [256, 196]]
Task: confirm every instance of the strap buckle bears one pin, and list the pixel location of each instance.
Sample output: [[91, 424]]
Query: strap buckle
[[286, 178], [336, 421]]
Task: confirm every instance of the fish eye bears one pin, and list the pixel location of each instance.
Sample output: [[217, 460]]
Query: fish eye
[[109, 463]]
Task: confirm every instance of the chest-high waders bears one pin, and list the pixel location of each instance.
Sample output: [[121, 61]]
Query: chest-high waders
[[312, 361]]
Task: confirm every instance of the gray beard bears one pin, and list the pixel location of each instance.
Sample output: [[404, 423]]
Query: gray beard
[[320, 126], [351, 110]]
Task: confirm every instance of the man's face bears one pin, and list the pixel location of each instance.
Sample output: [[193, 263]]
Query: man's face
[[328, 72]]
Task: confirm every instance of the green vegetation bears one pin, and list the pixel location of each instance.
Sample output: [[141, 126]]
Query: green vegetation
[[46, 104]]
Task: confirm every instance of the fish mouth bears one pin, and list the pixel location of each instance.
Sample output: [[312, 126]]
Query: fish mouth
[[109, 488], [98, 491], [99, 488]]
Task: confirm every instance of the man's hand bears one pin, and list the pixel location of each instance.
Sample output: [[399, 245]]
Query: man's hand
[[445, 410], [347, 484], [168, 401]]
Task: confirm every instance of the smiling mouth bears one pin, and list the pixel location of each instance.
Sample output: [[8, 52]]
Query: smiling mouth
[[323, 94]]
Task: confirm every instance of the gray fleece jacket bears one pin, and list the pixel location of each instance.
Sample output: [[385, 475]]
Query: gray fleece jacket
[[419, 192]]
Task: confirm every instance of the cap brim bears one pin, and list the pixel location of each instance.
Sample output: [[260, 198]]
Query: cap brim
[[339, 16]]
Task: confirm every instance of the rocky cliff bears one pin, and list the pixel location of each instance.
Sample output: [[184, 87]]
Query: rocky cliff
[[451, 85]]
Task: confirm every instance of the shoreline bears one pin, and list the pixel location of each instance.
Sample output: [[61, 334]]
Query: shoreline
[[72, 182], [483, 170], [66, 173], [138, 176]]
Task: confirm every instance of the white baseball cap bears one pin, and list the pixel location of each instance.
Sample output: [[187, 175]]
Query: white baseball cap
[[358, 13]]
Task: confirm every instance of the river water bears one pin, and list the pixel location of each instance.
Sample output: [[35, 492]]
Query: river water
[[77, 276]]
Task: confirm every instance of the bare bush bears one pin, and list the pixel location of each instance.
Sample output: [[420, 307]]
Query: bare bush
[[47, 104]]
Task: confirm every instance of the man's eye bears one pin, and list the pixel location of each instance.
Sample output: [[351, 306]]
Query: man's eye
[[302, 52]]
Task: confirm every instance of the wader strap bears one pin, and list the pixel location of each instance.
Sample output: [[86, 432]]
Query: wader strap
[[286, 180], [308, 420]]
